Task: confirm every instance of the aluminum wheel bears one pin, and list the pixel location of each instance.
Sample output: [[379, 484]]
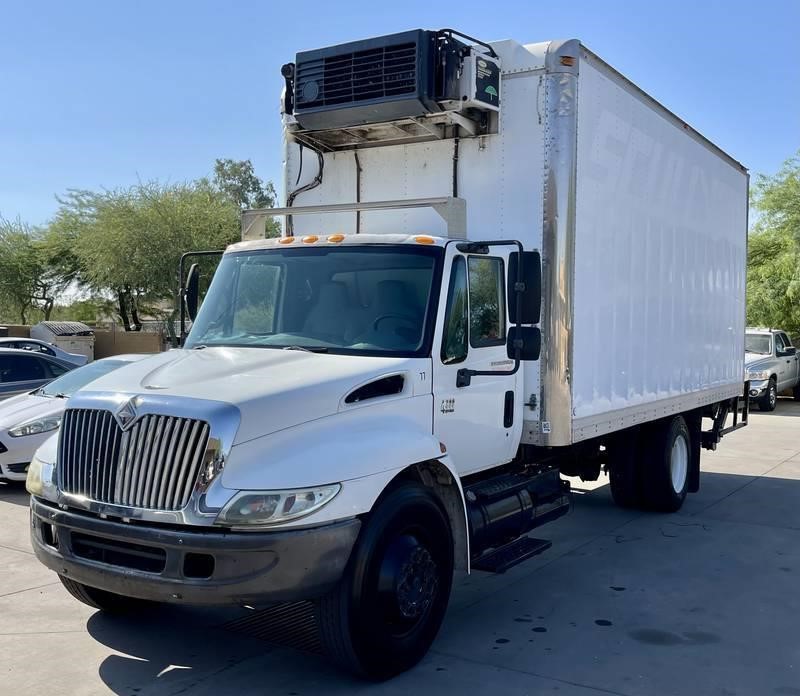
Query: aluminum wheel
[[679, 463]]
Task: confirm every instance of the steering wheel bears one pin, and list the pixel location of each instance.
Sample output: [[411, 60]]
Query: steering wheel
[[401, 317]]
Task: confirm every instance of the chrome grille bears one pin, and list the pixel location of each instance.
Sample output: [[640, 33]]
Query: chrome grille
[[153, 465]]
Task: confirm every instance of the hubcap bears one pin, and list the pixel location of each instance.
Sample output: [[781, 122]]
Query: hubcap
[[679, 463], [408, 581], [417, 583]]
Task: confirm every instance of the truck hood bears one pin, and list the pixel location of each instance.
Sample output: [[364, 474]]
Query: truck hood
[[25, 407], [755, 360], [273, 389]]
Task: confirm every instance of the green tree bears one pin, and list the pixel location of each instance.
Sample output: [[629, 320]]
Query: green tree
[[27, 279], [773, 268], [128, 242], [237, 180]]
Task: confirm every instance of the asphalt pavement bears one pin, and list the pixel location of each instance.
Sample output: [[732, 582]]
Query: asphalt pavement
[[701, 602]]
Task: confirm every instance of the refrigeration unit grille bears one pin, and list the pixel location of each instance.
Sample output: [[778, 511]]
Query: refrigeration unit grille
[[376, 73]]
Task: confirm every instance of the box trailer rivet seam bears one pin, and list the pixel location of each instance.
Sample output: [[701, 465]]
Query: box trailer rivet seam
[[399, 385]]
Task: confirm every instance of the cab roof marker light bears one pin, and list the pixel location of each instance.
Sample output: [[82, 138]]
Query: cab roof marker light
[[310, 239], [424, 239], [336, 238], [285, 240]]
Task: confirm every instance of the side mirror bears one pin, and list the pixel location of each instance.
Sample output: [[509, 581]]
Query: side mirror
[[524, 342], [531, 295], [192, 292], [790, 350]]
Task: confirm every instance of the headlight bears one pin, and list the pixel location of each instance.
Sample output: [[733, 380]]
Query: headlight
[[40, 478], [35, 427], [259, 508], [757, 374]]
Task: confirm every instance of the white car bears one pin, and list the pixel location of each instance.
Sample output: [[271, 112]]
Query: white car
[[37, 346], [27, 420]]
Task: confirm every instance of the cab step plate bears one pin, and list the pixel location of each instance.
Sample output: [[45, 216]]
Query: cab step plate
[[505, 557]]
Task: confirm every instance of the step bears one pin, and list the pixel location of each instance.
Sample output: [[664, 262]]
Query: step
[[501, 559]]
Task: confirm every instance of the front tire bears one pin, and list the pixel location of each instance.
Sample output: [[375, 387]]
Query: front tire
[[769, 401], [666, 471], [103, 600], [389, 606]]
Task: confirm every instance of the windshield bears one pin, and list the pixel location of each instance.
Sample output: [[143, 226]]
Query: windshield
[[374, 300], [68, 384], [758, 343]]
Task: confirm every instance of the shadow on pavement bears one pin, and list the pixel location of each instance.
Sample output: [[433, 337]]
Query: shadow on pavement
[[172, 650], [14, 492], [786, 406]]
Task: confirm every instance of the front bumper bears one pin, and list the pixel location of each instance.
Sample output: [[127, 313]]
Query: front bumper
[[758, 388], [191, 567]]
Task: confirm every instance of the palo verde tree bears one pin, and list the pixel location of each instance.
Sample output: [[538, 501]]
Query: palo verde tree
[[27, 280], [127, 242]]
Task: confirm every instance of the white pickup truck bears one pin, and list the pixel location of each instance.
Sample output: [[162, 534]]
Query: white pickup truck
[[773, 366], [499, 263]]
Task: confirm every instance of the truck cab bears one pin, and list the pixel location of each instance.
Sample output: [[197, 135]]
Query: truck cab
[[773, 366]]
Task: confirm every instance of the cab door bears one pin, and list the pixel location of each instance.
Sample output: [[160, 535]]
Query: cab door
[[480, 424]]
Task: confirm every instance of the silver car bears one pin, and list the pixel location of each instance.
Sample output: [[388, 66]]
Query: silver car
[[36, 346], [23, 371]]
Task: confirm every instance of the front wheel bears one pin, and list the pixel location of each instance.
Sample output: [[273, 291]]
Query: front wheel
[[388, 608], [769, 401]]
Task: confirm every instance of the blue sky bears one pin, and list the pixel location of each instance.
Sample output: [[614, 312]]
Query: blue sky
[[100, 94]]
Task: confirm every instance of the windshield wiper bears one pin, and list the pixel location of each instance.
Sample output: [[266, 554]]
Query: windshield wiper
[[318, 349]]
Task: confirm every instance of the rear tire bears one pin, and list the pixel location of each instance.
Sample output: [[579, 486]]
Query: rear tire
[[666, 469], [769, 401], [108, 602], [624, 470], [796, 392], [388, 608]]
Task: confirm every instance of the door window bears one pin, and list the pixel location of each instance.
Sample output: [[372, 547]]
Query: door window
[[487, 306], [454, 340], [779, 346], [787, 342], [55, 369], [21, 368]]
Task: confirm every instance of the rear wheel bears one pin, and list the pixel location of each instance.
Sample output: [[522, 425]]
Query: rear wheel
[[796, 392], [388, 608], [666, 471], [101, 599], [770, 398]]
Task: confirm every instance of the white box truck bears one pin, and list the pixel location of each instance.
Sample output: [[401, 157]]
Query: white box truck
[[499, 264]]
